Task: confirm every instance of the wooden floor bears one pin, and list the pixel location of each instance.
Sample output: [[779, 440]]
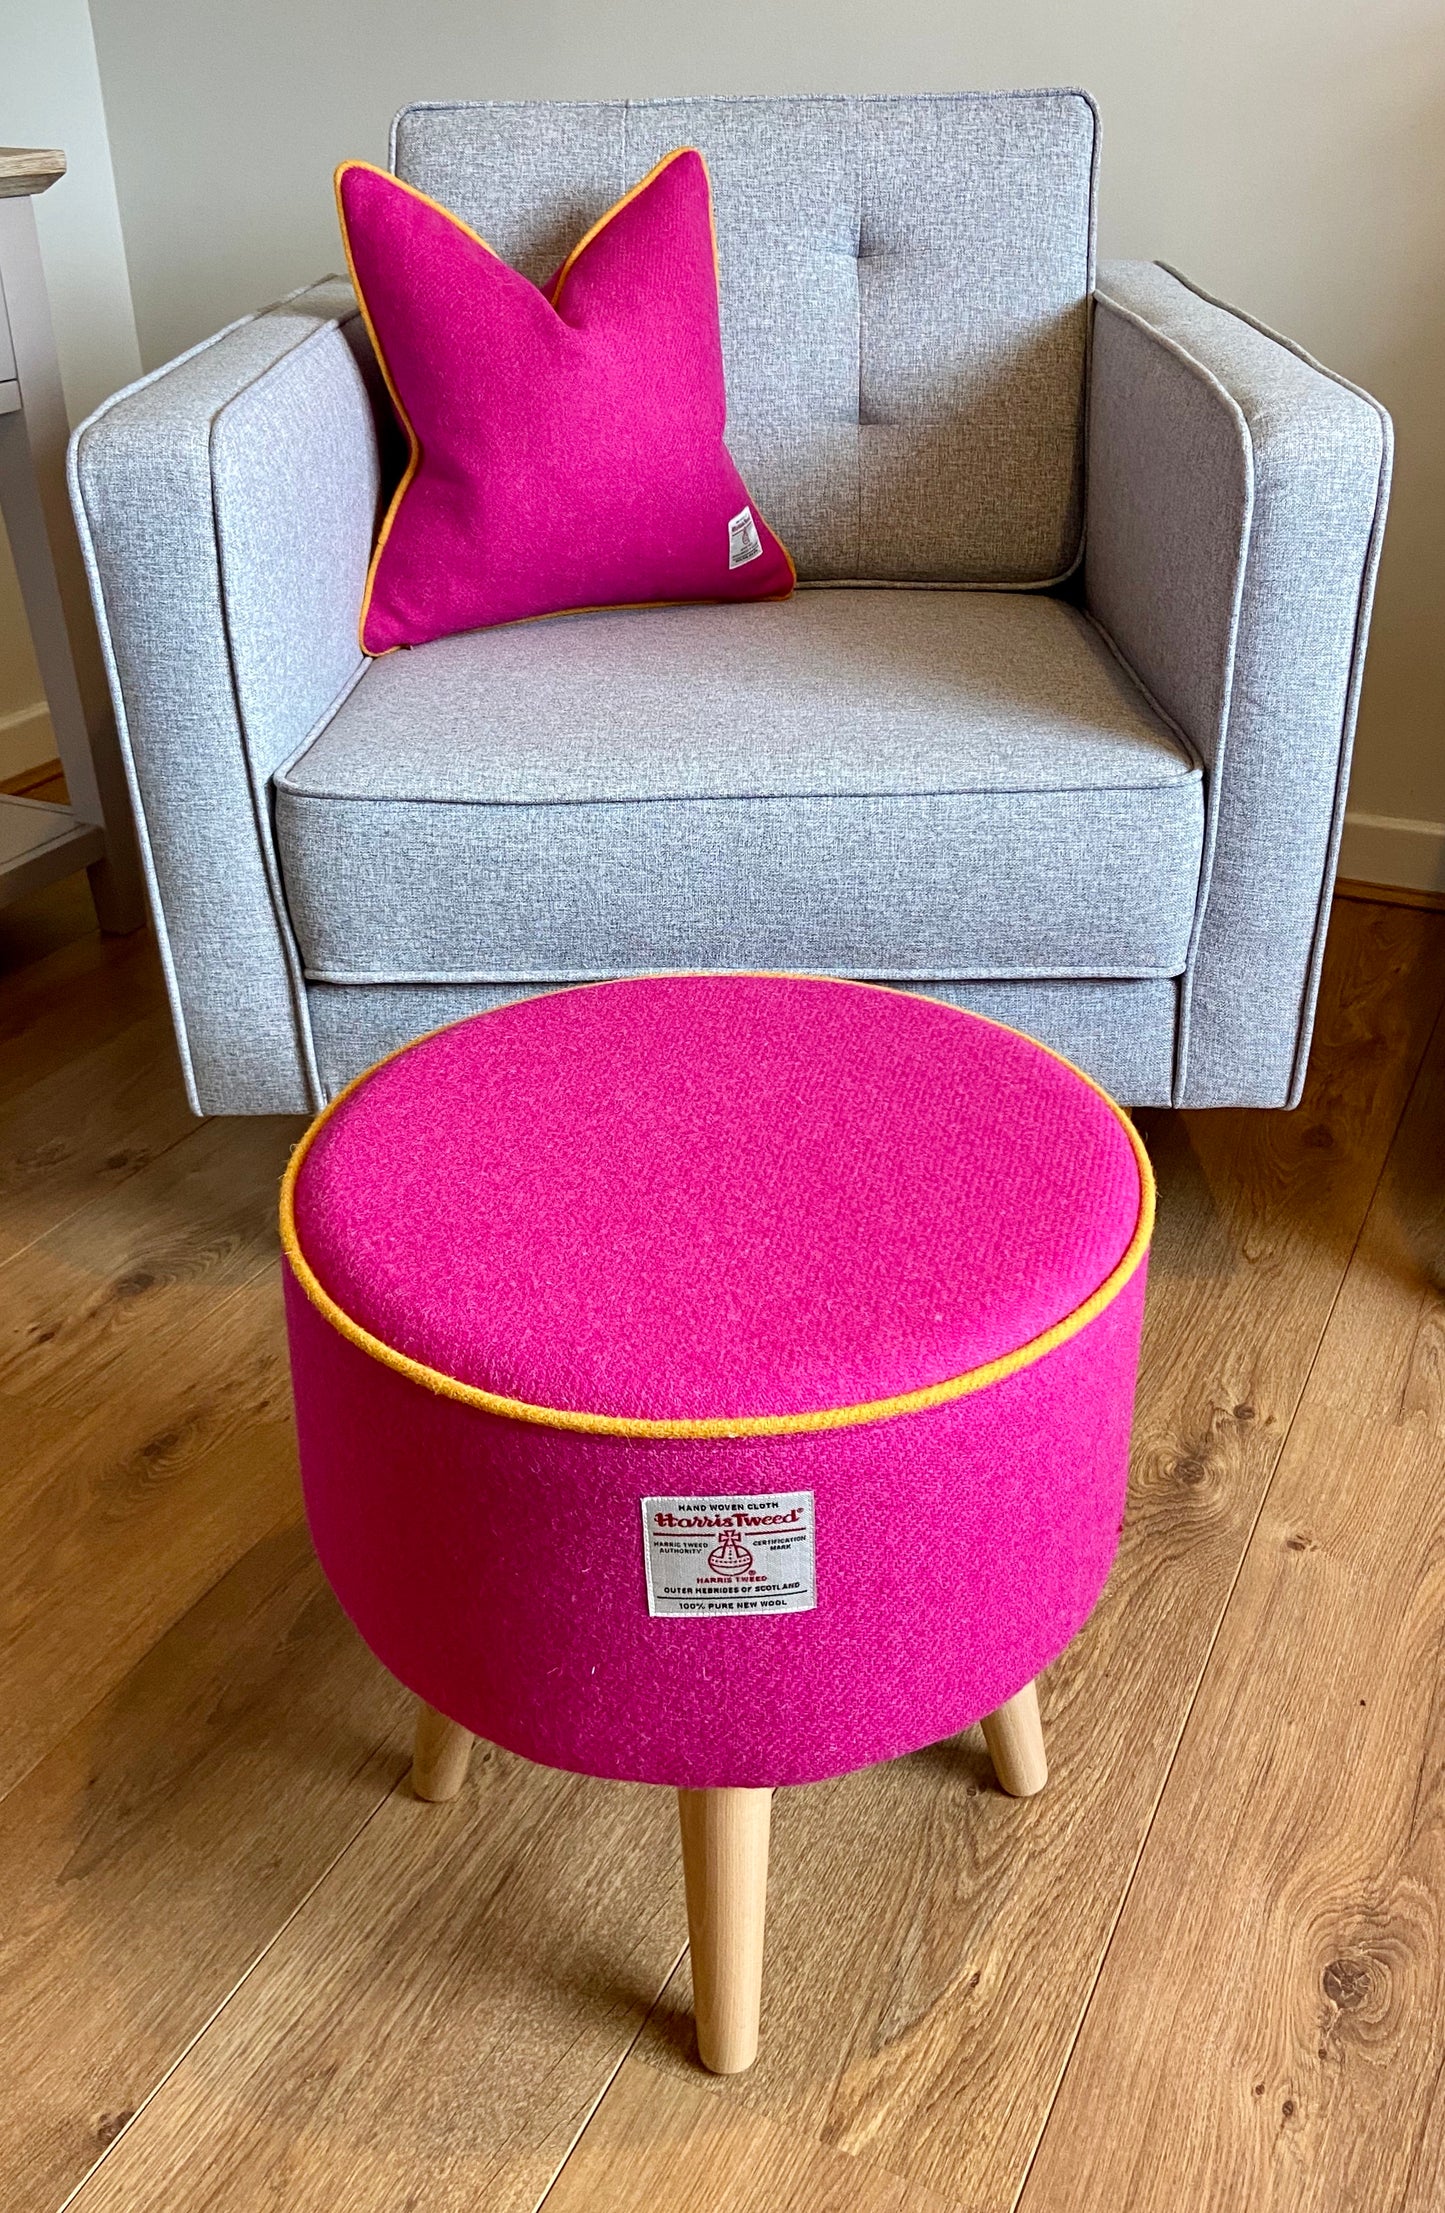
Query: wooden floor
[[242, 1968]]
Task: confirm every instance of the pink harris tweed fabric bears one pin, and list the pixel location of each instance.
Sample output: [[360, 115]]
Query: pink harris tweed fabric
[[567, 443], [717, 1239]]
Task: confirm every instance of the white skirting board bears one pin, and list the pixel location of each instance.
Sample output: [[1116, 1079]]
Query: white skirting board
[[26, 739], [1394, 849]]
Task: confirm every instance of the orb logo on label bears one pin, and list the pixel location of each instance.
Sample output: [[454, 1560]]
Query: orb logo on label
[[730, 1557]]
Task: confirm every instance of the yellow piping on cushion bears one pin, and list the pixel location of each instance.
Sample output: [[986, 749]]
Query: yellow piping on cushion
[[414, 443], [725, 1425], [627, 198]]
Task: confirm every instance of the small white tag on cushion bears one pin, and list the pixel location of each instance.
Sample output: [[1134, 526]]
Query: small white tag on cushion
[[744, 544]]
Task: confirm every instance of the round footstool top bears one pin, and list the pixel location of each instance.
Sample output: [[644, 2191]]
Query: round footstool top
[[697, 1206]]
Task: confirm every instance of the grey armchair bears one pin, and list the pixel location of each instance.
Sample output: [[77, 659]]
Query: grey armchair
[[1058, 727]]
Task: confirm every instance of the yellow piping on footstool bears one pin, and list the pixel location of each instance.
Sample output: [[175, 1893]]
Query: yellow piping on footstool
[[721, 1425]]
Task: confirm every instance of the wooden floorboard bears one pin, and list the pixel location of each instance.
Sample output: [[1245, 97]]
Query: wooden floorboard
[[1269, 2029], [1390, 895], [83, 990], [440, 2018], [435, 2025], [145, 1424], [45, 780], [87, 1127], [150, 1858], [763, 2169]]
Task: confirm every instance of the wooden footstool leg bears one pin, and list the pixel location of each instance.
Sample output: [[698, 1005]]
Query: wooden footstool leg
[[725, 1867], [1014, 1735], [441, 1755]]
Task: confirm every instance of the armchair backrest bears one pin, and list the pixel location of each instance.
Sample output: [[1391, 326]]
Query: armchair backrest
[[905, 300]]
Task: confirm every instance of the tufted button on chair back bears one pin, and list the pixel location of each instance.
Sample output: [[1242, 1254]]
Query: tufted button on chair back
[[905, 300]]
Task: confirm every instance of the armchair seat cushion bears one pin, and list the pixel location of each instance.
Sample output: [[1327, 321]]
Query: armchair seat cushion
[[902, 783]]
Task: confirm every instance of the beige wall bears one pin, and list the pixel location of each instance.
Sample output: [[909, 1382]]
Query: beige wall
[[50, 96], [1288, 153]]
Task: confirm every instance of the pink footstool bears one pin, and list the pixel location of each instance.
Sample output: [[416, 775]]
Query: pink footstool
[[718, 1381]]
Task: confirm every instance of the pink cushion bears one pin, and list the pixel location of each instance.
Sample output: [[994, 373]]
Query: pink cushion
[[566, 446], [722, 1238]]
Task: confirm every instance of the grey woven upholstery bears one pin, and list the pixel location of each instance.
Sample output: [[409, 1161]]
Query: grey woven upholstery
[[894, 784], [904, 291], [1077, 759]]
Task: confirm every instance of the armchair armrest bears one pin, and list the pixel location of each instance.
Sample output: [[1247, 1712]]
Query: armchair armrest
[[226, 506], [1236, 500]]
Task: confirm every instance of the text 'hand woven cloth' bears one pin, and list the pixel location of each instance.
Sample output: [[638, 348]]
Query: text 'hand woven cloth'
[[717, 1380], [566, 443]]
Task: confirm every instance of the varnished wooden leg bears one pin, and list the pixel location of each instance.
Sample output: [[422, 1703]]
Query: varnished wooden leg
[[1015, 1739], [441, 1755], [725, 1866]]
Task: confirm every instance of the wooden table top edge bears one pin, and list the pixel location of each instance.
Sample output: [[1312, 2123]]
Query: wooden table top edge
[[27, 169]]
